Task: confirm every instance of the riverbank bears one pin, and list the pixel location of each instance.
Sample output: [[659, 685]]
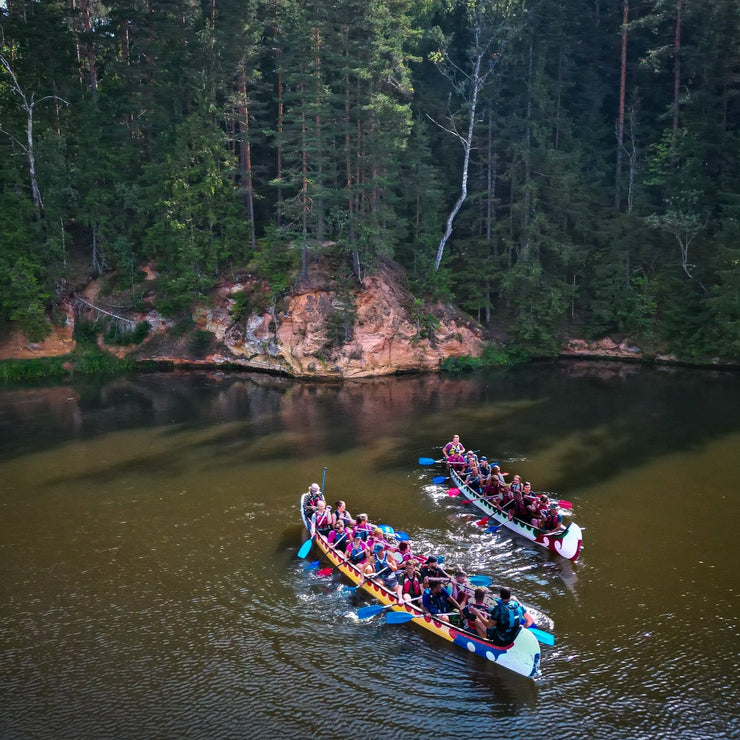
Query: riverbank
[[315, 332]]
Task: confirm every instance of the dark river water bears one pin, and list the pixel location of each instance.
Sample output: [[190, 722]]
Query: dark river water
[[149, 584]]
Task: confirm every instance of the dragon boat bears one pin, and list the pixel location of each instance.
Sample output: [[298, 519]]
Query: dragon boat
[[522, 656], [567, 543]]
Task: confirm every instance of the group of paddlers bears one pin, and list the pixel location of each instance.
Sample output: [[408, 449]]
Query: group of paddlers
[[516, 499], [382, 557]]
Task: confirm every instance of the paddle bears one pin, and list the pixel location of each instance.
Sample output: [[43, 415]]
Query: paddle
[[314, 564], [366, 612], [453, 491], [403, 617], [439, 479], [493, 528], [305, 549], [325, 571], [483, 522], [480, 580], [429, 461], [544, 637]]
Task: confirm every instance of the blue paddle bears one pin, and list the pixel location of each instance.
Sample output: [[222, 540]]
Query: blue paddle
[[480, 580], [544, 637], [305, 548], [439, 479], [429, 461]]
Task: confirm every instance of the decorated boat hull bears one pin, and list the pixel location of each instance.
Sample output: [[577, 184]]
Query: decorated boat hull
[[522, 656], [568, 543]]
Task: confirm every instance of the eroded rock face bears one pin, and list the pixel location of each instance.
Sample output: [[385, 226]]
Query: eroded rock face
[[384, 339]]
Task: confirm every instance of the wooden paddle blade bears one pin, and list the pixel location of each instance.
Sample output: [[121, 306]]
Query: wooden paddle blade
[[365, 612], [453, 491], [325, 572], [399, 617], [544, 637], [305, 549]]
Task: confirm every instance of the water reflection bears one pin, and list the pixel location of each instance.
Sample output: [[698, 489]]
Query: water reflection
[[149, 584]]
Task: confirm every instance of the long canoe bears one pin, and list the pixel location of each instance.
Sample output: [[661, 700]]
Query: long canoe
[[522, 656], [567, 543]]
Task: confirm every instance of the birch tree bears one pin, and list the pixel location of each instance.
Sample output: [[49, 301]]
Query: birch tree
[[488, 24]]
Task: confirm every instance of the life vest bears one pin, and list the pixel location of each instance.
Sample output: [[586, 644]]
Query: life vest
[[437, 603], [551, 521], [411, 586], [323, 518], [508, 618], [357, 554]]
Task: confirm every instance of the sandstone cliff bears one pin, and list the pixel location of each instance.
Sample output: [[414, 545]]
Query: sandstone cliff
[[385, 338]]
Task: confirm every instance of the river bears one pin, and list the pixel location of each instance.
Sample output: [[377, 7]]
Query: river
[[149, 583]]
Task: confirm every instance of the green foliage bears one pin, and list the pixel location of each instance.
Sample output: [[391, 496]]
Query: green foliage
[[309, 127], [492, 357], [249, 301], [117, 334], [200, 343]]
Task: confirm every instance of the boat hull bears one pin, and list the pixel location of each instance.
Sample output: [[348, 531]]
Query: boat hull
[[568, 543], [522, 656]]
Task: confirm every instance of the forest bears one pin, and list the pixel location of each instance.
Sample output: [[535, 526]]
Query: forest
[[550, 166]]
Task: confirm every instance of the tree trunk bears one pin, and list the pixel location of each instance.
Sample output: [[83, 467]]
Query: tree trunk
[[620, 116]]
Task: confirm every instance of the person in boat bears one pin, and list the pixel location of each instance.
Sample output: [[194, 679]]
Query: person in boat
[[340, 512], [377, 536], [518, 509], [485, 468], [460, 587], [403, 553], [321, 519], [471, 610], [539, 508], [457, 461], [473, 479], [498, 476], [504, 619], [453, 447], [552, 522], [410, 586], [381, 566], [357, 550], [339, 536], [432, 573], [362, 526], [438, 602], [313, 497], [516, 483]]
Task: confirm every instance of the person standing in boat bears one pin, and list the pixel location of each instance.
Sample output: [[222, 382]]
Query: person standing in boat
[[438, 602], [454, 447], [314, 496], [504, 620]]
